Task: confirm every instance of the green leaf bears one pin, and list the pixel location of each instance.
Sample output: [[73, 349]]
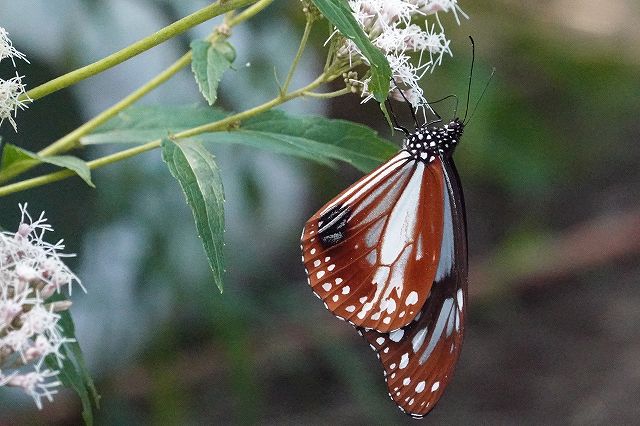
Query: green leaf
[[314, 138], [12, 156], [146, 123], [74, 373], [321, 137], [196, 171], [72, 163], [210, 61], [17, 157], [341, 16]]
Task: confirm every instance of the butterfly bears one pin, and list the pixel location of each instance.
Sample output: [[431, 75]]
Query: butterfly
[[389, 255]]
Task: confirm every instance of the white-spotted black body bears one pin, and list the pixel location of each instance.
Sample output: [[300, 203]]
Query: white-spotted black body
[[430, 141]]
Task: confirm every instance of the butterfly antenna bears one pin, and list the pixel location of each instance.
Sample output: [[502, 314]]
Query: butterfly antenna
[[493, 72], [444, 99], [413, 112], [397, 125], [473, 59]]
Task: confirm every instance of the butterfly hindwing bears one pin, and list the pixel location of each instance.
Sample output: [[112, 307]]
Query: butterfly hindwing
[[419, 358], [371, 253]]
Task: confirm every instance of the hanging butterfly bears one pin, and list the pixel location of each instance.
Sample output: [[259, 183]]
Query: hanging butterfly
[[389, 255]]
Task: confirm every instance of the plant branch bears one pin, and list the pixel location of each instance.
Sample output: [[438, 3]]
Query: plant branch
[[328, 95], [136, 48], [226, 123], [296, 59], [71, 140]]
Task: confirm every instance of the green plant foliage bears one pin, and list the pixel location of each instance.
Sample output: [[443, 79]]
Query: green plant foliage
[[74, 373], [17, 157], [314, 138], [341, 140], [340, 15], [145, 123], [210, 61], [198, 174]]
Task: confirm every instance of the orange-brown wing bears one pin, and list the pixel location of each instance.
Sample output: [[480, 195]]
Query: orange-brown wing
[[419, 359], [372, 252]]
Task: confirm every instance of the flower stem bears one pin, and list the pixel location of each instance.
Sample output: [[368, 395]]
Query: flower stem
[[136, 48], [328, 95], [225, 123], [296, 59]]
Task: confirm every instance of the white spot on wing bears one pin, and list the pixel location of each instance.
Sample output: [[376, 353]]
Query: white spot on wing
[[420, 386], [326, 286], [404, 361], [412, 298], [391, 306], [435, 386], [396, 336]]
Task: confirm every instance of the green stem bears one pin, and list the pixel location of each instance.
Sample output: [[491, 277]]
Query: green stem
[[296, 59], [225, 123], [328, 95], [136, 48], [71, 140], [249, 12]]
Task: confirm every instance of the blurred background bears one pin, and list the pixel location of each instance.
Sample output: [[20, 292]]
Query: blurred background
[[550, 169]]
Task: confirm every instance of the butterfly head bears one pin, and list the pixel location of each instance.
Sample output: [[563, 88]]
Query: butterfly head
[[432, 140]]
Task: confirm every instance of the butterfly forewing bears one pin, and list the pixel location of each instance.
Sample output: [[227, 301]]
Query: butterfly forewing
[[419, 359], [371, 253]]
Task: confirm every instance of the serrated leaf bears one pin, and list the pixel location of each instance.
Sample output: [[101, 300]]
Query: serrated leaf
[[340, 15], [196, 171], [74, 373], [17, 157], [209, 62]]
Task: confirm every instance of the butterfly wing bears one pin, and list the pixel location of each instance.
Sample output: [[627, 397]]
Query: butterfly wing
[[419, 359], [372, 252]]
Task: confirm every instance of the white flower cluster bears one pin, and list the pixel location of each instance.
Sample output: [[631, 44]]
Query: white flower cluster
[[388, 23], [11, 90], [31, 270]]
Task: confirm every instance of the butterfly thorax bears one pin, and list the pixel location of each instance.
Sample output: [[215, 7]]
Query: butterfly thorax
[[430, 141]]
